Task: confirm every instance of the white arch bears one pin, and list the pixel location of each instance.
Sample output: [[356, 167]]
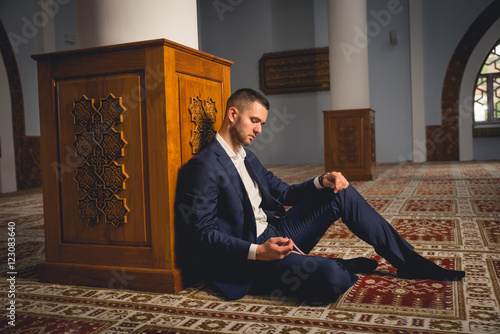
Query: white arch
[[466, 105]]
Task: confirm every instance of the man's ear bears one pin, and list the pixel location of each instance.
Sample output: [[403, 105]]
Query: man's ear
[[232, 114]]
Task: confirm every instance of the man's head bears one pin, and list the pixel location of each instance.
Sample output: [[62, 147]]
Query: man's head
[[246, 112], [243, 98]]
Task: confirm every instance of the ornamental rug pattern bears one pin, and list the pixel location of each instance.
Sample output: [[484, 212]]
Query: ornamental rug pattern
[[449, 211]]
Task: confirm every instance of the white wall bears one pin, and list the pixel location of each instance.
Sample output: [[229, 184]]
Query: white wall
[[390, 80], [65, 24], [296, 24], [243, 33], [486, 148]]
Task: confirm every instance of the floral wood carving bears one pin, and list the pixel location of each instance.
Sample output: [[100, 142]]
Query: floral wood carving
[[347, 144], [98, 145], [203, 114]]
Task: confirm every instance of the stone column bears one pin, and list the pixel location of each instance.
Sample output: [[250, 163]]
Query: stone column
[[108, 22], [349, 84], [350, 124]]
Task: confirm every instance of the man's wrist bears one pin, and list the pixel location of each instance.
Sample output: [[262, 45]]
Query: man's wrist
[[320, 179]]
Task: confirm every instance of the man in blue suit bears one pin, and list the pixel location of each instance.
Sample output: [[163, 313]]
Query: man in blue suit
[[234, 211]]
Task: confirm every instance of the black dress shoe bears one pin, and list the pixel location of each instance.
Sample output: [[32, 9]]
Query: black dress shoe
[[359, 265], [419, 267], [438, 274]]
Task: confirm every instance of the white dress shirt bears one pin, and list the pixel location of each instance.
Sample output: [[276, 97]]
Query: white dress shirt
[[252, 190]]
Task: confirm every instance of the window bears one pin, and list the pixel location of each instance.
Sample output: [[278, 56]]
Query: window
[[487, 97]]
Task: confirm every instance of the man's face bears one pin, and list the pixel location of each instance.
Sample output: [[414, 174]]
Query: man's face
[[248, 124]]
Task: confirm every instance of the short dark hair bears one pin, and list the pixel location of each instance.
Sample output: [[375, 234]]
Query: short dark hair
[[244, 97]]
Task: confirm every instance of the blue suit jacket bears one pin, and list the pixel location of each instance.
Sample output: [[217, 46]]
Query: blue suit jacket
[[212, 203]]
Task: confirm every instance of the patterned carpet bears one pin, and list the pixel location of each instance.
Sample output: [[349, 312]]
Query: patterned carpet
[[449, 211]]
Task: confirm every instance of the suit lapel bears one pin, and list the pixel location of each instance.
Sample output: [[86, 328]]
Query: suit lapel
[[232, 173], [266, 196], [256, 179], [231, 177]]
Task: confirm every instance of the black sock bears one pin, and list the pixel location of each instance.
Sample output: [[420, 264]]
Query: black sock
[[417, 267]]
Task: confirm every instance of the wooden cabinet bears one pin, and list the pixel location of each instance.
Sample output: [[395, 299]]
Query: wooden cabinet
[[117, 123], [350, 143]]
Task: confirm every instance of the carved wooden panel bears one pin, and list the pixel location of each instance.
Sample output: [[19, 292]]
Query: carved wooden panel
[[348, 147], [98, 146], [203, 114], [350, 143], [199, 102], [103, 154]]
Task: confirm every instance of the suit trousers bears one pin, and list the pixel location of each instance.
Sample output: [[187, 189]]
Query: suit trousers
[[321, 278]]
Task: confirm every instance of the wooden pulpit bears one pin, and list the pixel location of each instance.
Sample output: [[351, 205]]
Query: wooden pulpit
[[117, 123]]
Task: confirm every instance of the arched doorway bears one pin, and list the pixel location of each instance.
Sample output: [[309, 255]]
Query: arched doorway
[[466, 118], [443, 140]]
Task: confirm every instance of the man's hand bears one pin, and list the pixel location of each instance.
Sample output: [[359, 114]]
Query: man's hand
[[274, 249], [336, 181]]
